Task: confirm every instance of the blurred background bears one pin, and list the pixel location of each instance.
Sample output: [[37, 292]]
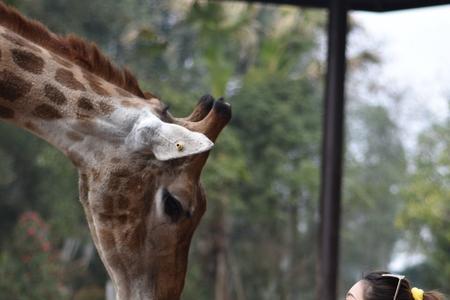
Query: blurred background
[[258, 237]]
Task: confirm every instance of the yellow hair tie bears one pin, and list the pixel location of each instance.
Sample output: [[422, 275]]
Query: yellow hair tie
[[417, 293]]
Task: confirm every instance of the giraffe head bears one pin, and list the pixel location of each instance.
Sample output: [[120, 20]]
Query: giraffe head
[[143, 198], [139, 166]]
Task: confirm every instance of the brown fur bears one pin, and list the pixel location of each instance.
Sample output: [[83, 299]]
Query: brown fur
[[54, 95], [28, 61], [73, 48], [13, 87], [66, 78], [46, 112], [85, 103]]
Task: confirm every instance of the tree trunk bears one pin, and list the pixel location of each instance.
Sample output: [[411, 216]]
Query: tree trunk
[[221, 240]]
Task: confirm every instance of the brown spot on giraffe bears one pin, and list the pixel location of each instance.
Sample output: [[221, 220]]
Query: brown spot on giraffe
[[134, 183], [107, 205], [6, 113], [95, 84], [54, 95], [72, 135], [85, 103], [46, 112], [122, 202], [18, 41], [116, 178], [106, 236], [66, 78], [12, 86], [28, 61], [114, 183]]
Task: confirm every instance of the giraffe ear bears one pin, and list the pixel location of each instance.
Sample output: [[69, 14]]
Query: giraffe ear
[[165, 140]]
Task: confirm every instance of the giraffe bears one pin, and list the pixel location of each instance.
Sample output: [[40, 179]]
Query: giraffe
[[138, 166]]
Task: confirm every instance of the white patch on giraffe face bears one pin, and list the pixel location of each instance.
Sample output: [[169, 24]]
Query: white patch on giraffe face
[[165, 140], [159, 204]]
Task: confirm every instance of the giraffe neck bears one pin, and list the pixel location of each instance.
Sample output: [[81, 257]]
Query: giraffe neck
[[60, 101]]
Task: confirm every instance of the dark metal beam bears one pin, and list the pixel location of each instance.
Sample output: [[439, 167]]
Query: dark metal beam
[[332, 152], [367, 5], [384, 6]]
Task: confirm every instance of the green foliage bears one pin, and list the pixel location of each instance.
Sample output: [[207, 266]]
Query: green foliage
[[375, 171], [426, 214], [21, 176]]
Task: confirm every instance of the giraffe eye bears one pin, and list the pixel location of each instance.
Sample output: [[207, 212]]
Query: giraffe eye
[[172, 207]]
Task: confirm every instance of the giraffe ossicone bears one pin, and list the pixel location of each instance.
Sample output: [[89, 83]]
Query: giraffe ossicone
[[139, 167]]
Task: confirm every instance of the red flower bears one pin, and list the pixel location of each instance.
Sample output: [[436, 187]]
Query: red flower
[[31, 231]]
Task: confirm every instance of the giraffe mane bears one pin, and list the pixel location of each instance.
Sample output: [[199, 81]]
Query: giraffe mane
[[82, 53]]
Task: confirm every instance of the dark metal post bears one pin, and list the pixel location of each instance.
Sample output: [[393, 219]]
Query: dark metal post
[[332, 152]]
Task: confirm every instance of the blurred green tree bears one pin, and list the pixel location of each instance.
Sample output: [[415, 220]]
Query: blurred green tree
[[426, 214], [374, 173]]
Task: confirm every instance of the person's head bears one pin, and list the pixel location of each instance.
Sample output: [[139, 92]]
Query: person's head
[[386, 286]]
